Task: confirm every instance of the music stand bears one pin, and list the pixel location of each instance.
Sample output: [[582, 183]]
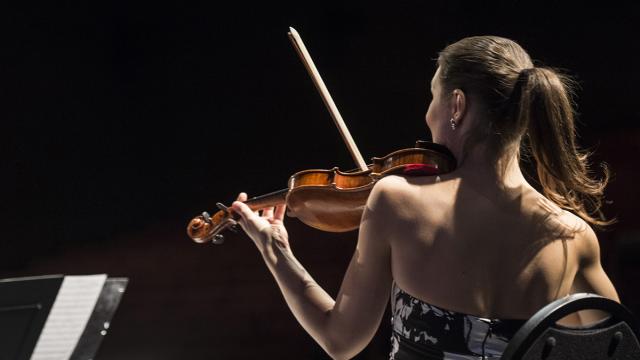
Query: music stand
[[25, 306], [100, 319]]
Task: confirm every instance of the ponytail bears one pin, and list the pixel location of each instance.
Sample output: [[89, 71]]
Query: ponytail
[[543, 108]]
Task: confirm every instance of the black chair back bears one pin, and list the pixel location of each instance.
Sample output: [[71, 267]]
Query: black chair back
[[540, 338]]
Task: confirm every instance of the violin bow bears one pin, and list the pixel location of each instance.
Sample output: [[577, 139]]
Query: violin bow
[[296, 40]]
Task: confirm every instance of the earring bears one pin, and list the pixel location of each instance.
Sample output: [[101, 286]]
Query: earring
[[453, 124]]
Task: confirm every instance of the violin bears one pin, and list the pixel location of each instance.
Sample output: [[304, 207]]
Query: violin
[[329, 200]]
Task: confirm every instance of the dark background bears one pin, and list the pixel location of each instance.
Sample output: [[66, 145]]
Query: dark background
[[121, 121]]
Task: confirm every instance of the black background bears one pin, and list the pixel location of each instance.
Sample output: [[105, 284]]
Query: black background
[[121, 121]]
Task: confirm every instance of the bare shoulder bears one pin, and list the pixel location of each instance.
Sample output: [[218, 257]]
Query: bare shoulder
[[558, 222], [389, 189], [587, 244], [385, 195], [583, 236], [580, 229], [403, 198], [395, 190]]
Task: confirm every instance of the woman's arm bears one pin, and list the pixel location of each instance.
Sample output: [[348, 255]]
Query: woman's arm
[[345, 326], [591, 277]]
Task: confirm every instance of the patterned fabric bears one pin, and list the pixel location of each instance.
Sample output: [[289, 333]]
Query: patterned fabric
[[424, 331]]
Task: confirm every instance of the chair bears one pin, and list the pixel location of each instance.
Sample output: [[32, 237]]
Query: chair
[[540, 338]]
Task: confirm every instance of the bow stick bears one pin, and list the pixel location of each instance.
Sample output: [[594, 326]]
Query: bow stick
[[326, 97]]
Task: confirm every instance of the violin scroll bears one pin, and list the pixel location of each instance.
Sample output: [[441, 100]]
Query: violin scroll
[[204, 227]]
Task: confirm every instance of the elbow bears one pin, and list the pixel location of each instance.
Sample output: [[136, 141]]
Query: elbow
[[337, 353], [341, 341], [341, 350]]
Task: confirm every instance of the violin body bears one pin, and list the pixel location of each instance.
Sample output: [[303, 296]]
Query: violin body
[[329, 200], [332, 200]]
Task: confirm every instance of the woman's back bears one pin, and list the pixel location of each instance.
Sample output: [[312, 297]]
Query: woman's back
[[481, 250]]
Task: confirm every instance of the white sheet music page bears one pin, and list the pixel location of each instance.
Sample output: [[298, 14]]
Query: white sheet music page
[[68, 317]]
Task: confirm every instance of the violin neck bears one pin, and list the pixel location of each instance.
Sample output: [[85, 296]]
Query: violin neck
[[268, 200]]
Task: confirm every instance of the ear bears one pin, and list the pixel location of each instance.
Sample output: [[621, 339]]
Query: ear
[[458, 106]]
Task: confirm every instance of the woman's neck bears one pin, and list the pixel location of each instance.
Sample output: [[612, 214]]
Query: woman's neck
[[503, 172]]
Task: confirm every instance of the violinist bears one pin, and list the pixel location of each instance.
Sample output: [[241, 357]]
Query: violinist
[[469, 255]]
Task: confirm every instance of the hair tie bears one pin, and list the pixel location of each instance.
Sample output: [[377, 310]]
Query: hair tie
[[523, 75], [516, 91], [523, 78], [526, 72]]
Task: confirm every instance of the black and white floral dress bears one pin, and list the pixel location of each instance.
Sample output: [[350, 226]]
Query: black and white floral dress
[[424, 331]]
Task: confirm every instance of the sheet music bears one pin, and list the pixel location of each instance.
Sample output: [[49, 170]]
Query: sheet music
[[68, 317]]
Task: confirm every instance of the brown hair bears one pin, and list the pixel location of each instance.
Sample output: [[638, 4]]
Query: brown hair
[[523, 102]]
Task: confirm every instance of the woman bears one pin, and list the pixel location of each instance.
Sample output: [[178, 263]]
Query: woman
[[461, 253]]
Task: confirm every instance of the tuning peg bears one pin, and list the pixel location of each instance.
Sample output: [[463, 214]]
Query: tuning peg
[[217, 239], [222, 207], [206, 217]]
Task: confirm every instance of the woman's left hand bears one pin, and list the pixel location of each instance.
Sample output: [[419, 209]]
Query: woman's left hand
[[263, 227]]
